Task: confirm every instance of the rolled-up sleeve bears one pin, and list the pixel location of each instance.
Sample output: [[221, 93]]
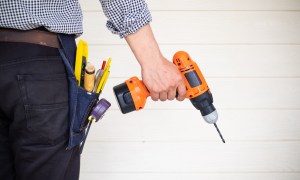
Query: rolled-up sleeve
[[125, 16]]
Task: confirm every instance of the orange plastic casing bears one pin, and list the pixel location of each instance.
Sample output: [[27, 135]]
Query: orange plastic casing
[[186, 65], [138, 91]]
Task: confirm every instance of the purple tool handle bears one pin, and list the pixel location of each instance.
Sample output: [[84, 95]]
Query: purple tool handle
[[99, 109]]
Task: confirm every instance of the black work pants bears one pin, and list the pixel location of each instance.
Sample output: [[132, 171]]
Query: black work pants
[[34, 115]]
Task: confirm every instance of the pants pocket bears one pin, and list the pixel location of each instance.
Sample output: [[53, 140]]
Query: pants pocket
[[45, 99], [49, 122]]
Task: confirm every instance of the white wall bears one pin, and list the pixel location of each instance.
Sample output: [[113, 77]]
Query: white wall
[[249, 52]]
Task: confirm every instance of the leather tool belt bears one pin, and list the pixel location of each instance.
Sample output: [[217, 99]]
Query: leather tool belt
[[39, 37]]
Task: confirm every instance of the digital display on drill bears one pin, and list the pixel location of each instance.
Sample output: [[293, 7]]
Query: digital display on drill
[[193, 79]]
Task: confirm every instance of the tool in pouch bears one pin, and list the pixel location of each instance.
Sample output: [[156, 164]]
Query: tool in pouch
[[132, 94], [87, 79]]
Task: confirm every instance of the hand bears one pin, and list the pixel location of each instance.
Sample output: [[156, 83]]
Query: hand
[[160, 76], [163, 80]]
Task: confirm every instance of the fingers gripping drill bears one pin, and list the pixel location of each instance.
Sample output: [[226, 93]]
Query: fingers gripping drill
[[132, 94]]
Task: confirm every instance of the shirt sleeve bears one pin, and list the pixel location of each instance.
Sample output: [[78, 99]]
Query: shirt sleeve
[[125, 16]]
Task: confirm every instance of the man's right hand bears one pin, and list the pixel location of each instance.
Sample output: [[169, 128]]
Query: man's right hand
[[160, 76], [163, 80]]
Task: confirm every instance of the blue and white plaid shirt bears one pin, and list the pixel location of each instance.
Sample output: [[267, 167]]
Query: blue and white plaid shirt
[[65, 16]]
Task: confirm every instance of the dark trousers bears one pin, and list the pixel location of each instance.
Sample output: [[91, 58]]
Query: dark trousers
[[34, 115]]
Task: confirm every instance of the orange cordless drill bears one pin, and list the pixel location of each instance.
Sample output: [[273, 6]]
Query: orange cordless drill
[[132, 94]]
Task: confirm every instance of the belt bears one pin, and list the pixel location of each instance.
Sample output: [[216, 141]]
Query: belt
[[39, 37]]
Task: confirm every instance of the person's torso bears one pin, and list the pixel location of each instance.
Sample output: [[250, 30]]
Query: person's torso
[[60, 16]]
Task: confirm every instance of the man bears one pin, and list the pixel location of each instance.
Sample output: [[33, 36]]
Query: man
[[34, 86]]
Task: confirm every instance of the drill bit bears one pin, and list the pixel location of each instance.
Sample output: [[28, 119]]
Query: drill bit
[[219, 133]]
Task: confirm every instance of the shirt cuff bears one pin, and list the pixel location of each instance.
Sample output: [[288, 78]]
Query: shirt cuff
[[126, 18]]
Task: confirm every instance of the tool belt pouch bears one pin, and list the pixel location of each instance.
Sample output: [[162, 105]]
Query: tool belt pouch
[[80, 101]]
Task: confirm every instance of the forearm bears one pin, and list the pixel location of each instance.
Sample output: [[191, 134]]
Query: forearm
[[145, 47]]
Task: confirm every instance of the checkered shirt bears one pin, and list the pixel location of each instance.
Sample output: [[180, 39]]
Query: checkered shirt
[[65, 16]]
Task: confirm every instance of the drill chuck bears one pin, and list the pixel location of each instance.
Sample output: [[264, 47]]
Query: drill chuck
[[204, 103], [211, 118]]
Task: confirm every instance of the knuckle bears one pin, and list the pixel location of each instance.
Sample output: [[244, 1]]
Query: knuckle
[[155, 90], [178, 79], [173, 85]]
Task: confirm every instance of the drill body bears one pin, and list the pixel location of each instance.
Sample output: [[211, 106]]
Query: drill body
[[132, 94]]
